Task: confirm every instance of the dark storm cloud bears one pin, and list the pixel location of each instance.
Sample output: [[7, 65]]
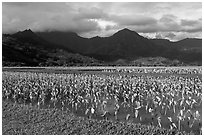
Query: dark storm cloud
[[90, 19]]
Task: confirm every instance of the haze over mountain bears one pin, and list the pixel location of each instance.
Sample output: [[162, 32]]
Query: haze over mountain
[[125, 45]]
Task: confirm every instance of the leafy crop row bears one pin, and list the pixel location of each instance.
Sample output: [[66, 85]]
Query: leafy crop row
[[172, 102]]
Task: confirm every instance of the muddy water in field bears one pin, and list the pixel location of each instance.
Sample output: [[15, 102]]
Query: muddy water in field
[[144, 117]]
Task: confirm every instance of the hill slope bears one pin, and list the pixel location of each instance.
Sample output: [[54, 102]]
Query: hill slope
[[27, 49], [125, 46]]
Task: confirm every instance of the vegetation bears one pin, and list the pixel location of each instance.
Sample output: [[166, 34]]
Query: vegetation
[[22, 53], [173, 102], [124, 48], [28, 120]]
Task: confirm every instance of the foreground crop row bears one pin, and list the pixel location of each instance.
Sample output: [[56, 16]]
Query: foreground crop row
[[171, 102], [176, 70], [26, 120]]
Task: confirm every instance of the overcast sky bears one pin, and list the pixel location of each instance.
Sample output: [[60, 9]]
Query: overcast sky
[[173, 21]]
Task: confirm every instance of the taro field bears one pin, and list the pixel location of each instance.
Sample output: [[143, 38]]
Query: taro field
[[159, 100]]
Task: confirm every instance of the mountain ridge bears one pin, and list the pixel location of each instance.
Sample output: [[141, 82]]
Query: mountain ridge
[[124, 29], [125, 44], [31, 50]]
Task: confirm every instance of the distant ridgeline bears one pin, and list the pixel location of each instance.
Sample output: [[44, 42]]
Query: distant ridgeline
[[125, 47]]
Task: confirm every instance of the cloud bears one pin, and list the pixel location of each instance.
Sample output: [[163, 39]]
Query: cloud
[[183, 35], [165, 35], [137, 20], [158, 36], [169, 22], [91, 19], [168, 18], [47, 17], [78, 26], [191, 25], [90, 13], [189, 22], [170, 35]]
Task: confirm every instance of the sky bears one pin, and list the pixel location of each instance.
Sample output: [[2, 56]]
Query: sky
[[169, 20]]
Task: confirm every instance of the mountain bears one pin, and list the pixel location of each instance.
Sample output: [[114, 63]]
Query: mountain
[[187, 50], [185, 44], [156, 61], [189, 44], [28, 49], [68, 40], [162, 42], [123, 47], [125, 44], [28, 36]]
